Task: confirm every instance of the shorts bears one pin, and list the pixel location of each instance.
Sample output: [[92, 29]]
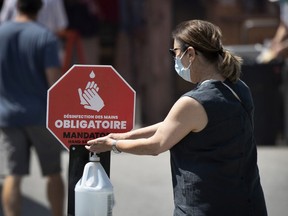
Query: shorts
[[15, 150]]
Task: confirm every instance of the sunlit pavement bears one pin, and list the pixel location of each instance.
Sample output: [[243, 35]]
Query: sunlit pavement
[[143, 186]]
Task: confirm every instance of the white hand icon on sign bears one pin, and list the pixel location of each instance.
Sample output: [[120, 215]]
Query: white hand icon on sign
[[90, 97]]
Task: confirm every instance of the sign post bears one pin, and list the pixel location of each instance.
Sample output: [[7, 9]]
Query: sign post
[[87, 102]]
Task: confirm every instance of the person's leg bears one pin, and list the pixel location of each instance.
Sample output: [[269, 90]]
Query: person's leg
[[15, 164], [55, 193], [11, 195], [48, 150]]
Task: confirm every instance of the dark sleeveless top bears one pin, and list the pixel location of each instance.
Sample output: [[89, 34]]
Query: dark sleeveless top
[[215, 171]]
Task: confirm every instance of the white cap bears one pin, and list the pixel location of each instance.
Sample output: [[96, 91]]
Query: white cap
[[93, 157]]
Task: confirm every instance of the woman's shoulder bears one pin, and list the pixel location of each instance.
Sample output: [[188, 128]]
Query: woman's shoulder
[[206, 89]]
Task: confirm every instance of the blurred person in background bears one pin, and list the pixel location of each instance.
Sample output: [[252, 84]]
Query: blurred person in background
[[52, 14], [84, 17], [278, 46], [29, 65], [277, 49]]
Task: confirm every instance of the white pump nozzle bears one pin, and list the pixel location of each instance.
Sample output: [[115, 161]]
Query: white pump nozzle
[[93, 157]]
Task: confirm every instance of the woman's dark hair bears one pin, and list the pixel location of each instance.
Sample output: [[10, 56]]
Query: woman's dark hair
[[206, 38], [29, 7]]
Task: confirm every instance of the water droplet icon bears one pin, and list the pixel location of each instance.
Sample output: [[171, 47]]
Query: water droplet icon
[[92, 75]]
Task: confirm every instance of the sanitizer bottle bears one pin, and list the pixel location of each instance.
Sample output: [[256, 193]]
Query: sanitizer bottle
[[94, 191]]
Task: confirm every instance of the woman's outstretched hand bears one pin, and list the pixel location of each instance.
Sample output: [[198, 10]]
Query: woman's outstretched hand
[[102, 144]]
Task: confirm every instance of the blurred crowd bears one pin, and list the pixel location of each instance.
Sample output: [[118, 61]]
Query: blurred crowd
[[134, 35]]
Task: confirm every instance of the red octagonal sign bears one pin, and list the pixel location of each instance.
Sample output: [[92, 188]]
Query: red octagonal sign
[[88, 102]]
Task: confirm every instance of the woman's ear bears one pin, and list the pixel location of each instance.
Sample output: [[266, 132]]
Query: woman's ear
[[191, 51]]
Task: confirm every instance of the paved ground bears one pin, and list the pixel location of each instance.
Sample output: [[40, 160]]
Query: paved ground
[[143, 184]]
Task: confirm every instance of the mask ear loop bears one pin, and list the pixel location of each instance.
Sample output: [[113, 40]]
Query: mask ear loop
[[189, 64], [183, 54], [189, 60], [196, 53]]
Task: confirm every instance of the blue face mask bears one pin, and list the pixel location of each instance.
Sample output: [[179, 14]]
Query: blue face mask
[[181, 70]]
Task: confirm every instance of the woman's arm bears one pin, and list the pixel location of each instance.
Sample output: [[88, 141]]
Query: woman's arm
[[144, 132], [187, 115]]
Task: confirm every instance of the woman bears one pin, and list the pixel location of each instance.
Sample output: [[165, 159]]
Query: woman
[[209, 131]]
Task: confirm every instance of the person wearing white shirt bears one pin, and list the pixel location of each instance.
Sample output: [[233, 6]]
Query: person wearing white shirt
[[52, 15]]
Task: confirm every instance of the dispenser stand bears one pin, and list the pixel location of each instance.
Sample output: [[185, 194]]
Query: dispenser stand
[[78, 157]]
